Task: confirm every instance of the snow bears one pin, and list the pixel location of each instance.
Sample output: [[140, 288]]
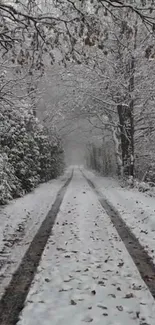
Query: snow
[[86, 274], [136, 208], [19, 222]]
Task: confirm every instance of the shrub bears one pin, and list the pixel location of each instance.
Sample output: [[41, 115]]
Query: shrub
[[28, 154]]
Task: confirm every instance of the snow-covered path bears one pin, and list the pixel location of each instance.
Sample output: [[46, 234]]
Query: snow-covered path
[[86, 274], [135, 208], [20, 221]]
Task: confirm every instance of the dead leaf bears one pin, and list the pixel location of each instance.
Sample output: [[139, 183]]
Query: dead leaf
[[62, 290], [112, 295], [101, 283], [118, 288], [68, 280], [137, 314], [61, 249], [107, 259], [134, 287], [120, 308], [120, 264], [102, 307], [72, 302], [129, 295], [144, 231]]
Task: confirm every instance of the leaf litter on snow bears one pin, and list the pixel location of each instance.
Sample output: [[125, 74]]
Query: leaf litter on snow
[[19, 222], [84, 299], [132, 206]]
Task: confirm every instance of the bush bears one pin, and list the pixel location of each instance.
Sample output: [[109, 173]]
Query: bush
[[10, 185], [28, 154]]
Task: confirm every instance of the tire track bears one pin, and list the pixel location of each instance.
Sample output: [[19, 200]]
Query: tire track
[[140, 257], [12, 301]]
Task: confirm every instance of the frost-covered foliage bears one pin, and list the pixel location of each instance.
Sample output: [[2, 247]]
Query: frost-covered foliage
[[28, 153]]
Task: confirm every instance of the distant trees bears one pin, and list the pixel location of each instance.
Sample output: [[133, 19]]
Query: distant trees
[[113, 90]]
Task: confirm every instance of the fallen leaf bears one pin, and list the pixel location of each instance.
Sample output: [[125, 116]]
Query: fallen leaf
[[61, 249], [72, 302], [137, 314], [112, 295], [102, 307], [101, 283], [120, 308], [134, 287], [118, 288], [63, 290], [129, 295], [107, 259], [68, 280], [120, 264]]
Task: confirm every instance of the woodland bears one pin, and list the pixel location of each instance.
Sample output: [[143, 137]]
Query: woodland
[[76, 68]]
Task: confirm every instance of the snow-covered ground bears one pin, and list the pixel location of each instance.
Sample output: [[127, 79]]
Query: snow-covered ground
[[19, 222], [86, 274], [136, 208]]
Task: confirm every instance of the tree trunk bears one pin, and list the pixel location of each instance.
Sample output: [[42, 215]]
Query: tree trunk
[[126, 122], [117, 147], [131, 117]]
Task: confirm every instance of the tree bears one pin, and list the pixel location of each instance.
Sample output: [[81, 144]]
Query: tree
[[107, 49], [117, 91]]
